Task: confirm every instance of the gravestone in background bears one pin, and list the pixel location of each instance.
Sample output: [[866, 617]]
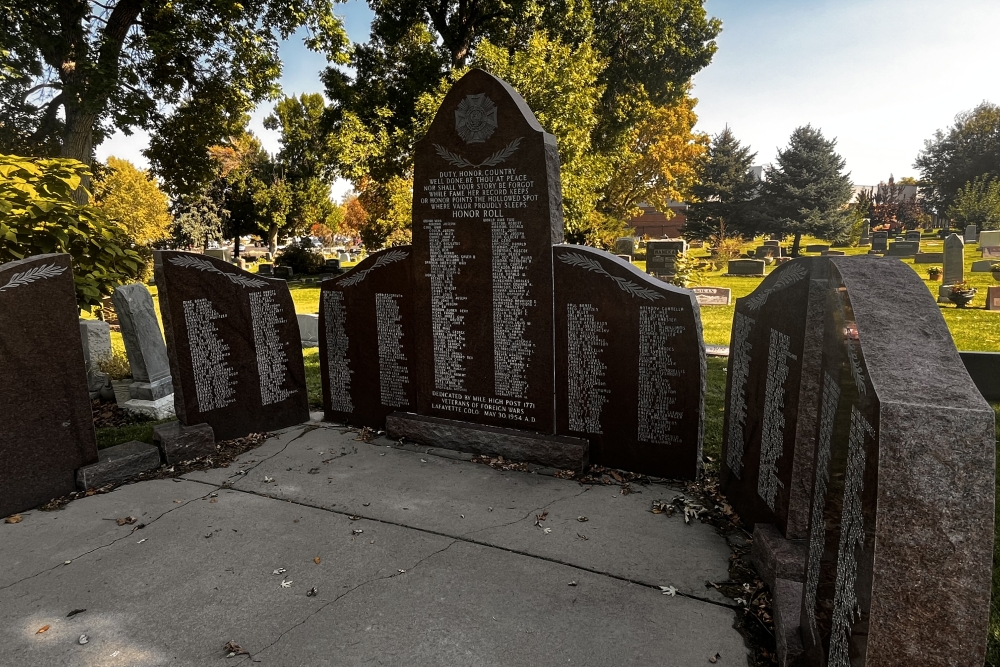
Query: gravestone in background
[[366, 344], [630, 365], [901, 529], [661, 257], [817, 247], [989, 238], [772, 396], [745, 267], [954, 260], [487, 209], [768, 251], [866, 235], [990, 252], [903, 249], [773, 242], [880, 241], [713, 296], [234, 346], [981, 266], [913, 235], [970, 234], [993, 298], [928, 258], [625, 246], [147, 353], [48, 429]]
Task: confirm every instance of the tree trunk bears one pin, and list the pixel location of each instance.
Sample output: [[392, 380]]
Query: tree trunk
[[795, 244], [272, 240], [236, 245], [78, 143]]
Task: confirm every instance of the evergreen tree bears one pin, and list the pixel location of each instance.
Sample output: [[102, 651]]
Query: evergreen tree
[[724, 192], [807, 192]]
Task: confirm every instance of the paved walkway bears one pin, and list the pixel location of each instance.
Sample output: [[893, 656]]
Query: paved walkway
[[423, 560]]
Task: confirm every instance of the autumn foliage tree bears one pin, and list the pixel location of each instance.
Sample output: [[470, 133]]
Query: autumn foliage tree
[[133, 198]]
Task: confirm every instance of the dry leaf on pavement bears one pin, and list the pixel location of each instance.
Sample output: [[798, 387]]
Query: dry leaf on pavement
[[42, 629], [14, 518], [316, 560], [669, 590]]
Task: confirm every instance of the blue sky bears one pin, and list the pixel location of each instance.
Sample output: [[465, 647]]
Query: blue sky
[[880, 76]]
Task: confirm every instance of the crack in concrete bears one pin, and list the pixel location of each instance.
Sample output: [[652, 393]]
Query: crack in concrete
[[306, 430], [104, 546], [481, 543], [341, 597], [528, 515]]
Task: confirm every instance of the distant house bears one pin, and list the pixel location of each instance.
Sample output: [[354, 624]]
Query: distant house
[[656, 225]]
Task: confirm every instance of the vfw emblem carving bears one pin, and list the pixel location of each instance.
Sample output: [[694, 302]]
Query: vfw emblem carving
[[476, 118]]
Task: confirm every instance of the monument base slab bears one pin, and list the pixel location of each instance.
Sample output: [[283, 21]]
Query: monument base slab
[[776, 557], [162, 408], [151, 391], [118, 464], [182, 443], [556, 451], [787, 606]]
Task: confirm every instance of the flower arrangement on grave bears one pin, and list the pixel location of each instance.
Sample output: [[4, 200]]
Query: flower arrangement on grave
[[119, 373], [995, 269], [934, 273], [961, 294]]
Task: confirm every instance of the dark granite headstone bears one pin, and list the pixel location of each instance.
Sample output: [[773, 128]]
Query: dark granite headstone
[[903, 249], [234, 346], [913, 235], [713, 296], [487, 208], [818, 247], [768, 251], [661, 255], [772, 394], [901, 530], [773, 242], [866, 235], [630, 364], [147, 353], [366, 345], [625, 246], [745, 267], [982, 266], [880, 241], [928, 258], [265, 269], [970, 234], [954, 260], [47, 428]]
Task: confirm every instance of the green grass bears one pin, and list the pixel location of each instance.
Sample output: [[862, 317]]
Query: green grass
[[110, 436]]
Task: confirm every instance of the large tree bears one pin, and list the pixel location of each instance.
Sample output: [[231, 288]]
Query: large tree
[[977, 203], [132, 197], [807, 191], [72, 71], [726, 194], [965, 151]]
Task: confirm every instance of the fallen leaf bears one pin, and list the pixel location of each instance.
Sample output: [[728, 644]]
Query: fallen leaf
[[42, 629], [715, 658], [541, 517], [312, 592], [572, 583], [582, 537], [316, 560], [286, 584], [669, 590], [214, 500], [142, 540], [268, 480], [83, 639], [127, 521], [547, 531], [402, 571], [280, 570], [357, 531], [14, 518], [313, 471], [355, 517], [365, 504], [234, 648], [423, 460], [581, 519]]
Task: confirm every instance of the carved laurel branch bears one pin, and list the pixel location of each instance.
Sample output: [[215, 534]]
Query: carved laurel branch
[[457, 160], [189, 262], [580, 261], [792, 275], [33, 274], [856, 372], [356, 277]]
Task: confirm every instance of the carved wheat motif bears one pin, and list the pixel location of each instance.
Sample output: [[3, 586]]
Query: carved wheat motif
[[583, 262], [33, 274], [792, 275], [189, 262], [356, 277], [457, 160]]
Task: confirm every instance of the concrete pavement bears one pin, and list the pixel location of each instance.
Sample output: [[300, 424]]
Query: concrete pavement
[[423, 560]]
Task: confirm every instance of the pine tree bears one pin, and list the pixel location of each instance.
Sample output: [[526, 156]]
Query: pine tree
[[725, 191], [807, 192]]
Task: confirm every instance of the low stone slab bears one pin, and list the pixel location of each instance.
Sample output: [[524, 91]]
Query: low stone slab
[[990, 252], [928, 258], [713, 296], [777, 558], [745, 267], [835, 253], [182, 443], [982, 265], [993, 298], [817, 248], [563, 452], [903, 249], [989, 238], [161, 408], [786, 596], [118, 464]]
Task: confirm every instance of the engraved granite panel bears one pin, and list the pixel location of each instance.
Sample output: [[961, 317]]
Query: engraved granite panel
[[901, 530], [366, 340], [913, 235], [661, 256], [772, 394], [47, 429], [234, 346], [487, 208], [630, 364]]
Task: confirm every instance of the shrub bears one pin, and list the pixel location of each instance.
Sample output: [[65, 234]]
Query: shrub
[[301, 257]]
